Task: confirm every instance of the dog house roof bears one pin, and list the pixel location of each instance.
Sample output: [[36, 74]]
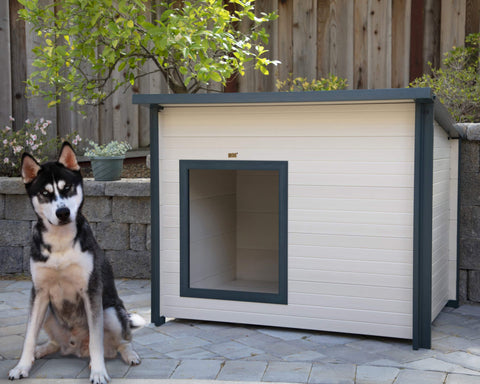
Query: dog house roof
[[415, 95]]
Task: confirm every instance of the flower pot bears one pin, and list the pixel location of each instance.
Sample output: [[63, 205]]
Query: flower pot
[[107, 168]]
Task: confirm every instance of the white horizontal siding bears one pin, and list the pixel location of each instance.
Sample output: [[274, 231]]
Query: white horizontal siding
[[221, 149], [350, 200], [453, 223], [201, 312], [351, 217], [440, 220], [336, 121]]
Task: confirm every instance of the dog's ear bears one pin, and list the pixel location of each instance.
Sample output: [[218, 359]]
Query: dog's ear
[[30, 168], [67, 157]]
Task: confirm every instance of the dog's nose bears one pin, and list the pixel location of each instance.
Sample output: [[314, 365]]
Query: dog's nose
[[63, 213]]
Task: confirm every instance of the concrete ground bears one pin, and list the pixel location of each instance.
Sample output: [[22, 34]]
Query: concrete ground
[[186, 351]]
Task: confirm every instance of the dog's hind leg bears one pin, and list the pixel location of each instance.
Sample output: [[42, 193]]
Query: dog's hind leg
[[52, 328], [129, 356], [114, 340], [46, 349]]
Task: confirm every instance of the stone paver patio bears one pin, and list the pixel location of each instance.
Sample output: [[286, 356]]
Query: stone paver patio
[[185, 350]]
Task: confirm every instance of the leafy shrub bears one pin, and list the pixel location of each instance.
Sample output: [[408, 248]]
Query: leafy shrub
[[31, 138], [330, 83], [457, 85]]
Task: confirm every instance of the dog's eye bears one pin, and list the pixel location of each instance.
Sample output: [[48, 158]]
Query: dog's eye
[[46, 193], [67, 188]]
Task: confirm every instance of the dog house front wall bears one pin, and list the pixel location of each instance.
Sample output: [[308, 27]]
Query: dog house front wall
[[352, 208]]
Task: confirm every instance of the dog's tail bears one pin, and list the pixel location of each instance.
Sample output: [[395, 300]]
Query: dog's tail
[[136, 321]]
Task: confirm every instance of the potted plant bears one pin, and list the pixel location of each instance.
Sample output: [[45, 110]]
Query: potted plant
[[107, 159]]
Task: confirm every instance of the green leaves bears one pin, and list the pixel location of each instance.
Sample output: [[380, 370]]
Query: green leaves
[[329, 83], [457, 84], [89, 45]]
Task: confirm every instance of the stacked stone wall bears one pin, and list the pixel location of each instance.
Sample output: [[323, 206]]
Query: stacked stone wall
[[469, 214], [118, 212]]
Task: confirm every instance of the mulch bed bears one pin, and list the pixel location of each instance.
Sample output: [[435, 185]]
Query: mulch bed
[[132, 168]]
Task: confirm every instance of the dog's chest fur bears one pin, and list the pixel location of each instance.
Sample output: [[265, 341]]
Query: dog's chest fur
[[64, 275]]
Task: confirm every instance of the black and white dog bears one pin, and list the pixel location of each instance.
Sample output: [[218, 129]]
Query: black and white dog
[[73, 294]]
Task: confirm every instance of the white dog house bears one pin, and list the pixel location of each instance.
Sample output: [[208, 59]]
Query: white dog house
[[332, 211]]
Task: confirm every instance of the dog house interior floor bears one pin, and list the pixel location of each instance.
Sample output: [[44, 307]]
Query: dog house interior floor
[[234, 230]]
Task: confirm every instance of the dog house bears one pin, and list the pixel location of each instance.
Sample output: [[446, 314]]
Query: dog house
[[332, 211]]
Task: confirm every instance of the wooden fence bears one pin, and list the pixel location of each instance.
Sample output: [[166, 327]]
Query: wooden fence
[[371, 43]]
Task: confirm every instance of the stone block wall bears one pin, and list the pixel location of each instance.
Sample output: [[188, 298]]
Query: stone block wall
[[469, 214], [469, 218], [118, 212]]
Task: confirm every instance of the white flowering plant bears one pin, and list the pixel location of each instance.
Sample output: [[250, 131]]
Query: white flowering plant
[[112, 149], [33, 138]]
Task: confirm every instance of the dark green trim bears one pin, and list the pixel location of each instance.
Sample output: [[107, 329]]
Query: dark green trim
[[452, 304], [417, 94], [456, 303], [155, 217], [443, 117], [459, 204], [422, 227], [185, 289]]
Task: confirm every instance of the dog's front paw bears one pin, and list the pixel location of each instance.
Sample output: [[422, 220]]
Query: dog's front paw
[[19, 372], [99, 377]]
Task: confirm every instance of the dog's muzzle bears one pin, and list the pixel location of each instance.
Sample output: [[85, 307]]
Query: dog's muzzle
[[63, 215]]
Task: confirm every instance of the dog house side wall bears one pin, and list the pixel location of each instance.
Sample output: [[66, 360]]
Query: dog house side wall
[[350, 209], [444, 220]]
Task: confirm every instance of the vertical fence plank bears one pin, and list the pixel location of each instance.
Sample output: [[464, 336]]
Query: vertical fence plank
[[18, 60], [401, 10], [65, 115], [452, 32], [472, 17], [86, 122], [151, 84], [360, 56], [125, 115], [416, 39], [246, 83], [105, 117], [380, 44], [285, 39], [431, 35], [323, 38], [267, 83], [37, 105], [341, 39], [304, 38], [5, 73], [65, 119]]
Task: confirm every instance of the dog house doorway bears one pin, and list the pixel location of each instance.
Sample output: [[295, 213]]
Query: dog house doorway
[[233, 230]]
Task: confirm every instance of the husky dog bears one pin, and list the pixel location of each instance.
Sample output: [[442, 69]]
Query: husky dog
[[73, 294]]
